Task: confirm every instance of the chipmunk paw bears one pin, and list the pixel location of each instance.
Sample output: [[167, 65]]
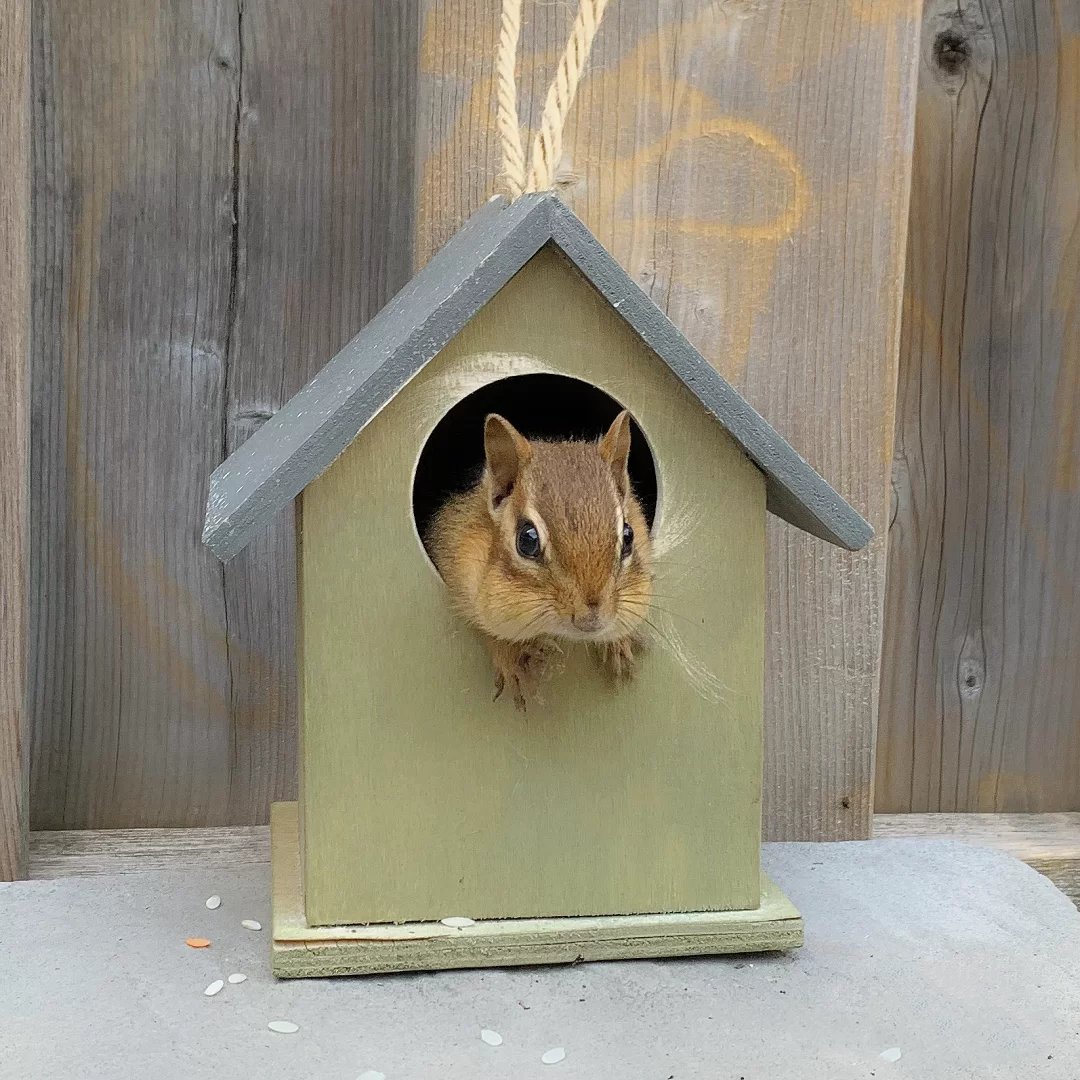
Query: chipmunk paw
[[520, 665], [619, 659]]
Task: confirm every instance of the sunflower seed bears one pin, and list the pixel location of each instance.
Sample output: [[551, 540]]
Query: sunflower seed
[[553, 1056], [214, 988], [492, 1038], [213, 902], [250, 924], [458, 922], [237, 978], [285, 1027]]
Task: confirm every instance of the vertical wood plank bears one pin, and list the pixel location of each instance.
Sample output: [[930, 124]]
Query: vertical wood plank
[[981, 688], [216, 210], [749, 164], [14, 444], [323, 239], [133, 159]]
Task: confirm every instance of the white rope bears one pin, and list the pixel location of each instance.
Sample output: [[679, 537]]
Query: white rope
[[547, 146], [513, 157]]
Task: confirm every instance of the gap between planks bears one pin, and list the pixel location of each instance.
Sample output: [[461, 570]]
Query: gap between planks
[[1050, 843]]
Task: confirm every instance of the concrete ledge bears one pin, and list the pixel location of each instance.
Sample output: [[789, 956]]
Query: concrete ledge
[[964, 958]]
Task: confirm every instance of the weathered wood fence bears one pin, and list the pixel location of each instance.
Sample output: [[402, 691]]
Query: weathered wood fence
[[981, 671], [224, 192]]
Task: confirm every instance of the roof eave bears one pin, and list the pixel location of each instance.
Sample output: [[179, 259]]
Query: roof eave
[[796, 491], [304, 437]]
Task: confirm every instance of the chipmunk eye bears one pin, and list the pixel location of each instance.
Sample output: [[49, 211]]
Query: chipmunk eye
[[627, 540], [528, 541]]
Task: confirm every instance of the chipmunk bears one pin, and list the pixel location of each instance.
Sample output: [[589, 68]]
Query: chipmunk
[[551, 544]]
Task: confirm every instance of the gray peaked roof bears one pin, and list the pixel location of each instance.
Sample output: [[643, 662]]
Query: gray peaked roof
[[305, 436]]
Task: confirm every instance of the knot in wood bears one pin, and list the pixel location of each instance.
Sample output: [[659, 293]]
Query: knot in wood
[[952, 52], [972, 675]]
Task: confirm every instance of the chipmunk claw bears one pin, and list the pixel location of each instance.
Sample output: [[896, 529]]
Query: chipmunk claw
[[618, 658], [519, 665]]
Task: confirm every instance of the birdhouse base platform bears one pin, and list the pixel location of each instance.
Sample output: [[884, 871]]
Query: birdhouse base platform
[[302, 951]]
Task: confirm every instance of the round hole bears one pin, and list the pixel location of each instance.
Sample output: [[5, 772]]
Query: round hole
[[540, 407]]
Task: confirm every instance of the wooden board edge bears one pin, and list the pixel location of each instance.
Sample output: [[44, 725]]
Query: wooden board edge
[[300, 951], [14, 436], [86, 852]]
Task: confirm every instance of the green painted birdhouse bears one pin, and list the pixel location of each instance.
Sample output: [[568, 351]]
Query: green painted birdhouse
[[607, 820]]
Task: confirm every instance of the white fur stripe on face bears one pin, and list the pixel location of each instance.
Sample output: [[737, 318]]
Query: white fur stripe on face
[[533, 515]]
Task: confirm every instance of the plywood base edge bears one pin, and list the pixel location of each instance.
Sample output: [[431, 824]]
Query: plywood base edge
[[300, 951]]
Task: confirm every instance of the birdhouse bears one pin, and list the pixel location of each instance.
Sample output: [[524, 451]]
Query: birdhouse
[[607, 820]]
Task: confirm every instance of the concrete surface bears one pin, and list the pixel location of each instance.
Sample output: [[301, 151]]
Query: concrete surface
[[963, 958]]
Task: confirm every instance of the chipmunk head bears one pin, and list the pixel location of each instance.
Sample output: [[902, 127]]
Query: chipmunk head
[[572, 556]]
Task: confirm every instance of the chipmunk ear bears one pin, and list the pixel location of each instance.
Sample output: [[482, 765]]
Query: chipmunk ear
[[615, 450], [506, 452]]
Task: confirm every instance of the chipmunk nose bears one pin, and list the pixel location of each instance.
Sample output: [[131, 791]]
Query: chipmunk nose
[[588, 620]]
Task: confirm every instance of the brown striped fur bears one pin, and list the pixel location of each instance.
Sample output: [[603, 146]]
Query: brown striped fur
[[578, 495]]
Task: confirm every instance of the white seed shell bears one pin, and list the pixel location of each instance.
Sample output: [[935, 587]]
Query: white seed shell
[[458, 922], [214, 988], [250, 924], [213, 902], [892, 1054], [237, 978], [553, 1056], [285, 1027], [372, 1074], [492, 1038]]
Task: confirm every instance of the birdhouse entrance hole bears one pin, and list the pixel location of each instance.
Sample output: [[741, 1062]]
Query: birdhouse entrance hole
[[540, 406]]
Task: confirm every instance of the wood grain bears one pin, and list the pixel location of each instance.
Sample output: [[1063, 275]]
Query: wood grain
[[748, 164], [216, 211], [597, 801], [302, 951], [981, 685], [1049, 843], [82, 852], [14, 429]]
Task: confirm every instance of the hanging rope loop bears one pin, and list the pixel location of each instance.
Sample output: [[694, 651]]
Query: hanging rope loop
[[513, 157], [539, 173]]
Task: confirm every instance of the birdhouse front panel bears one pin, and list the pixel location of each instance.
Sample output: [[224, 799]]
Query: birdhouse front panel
[[421, 797]]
